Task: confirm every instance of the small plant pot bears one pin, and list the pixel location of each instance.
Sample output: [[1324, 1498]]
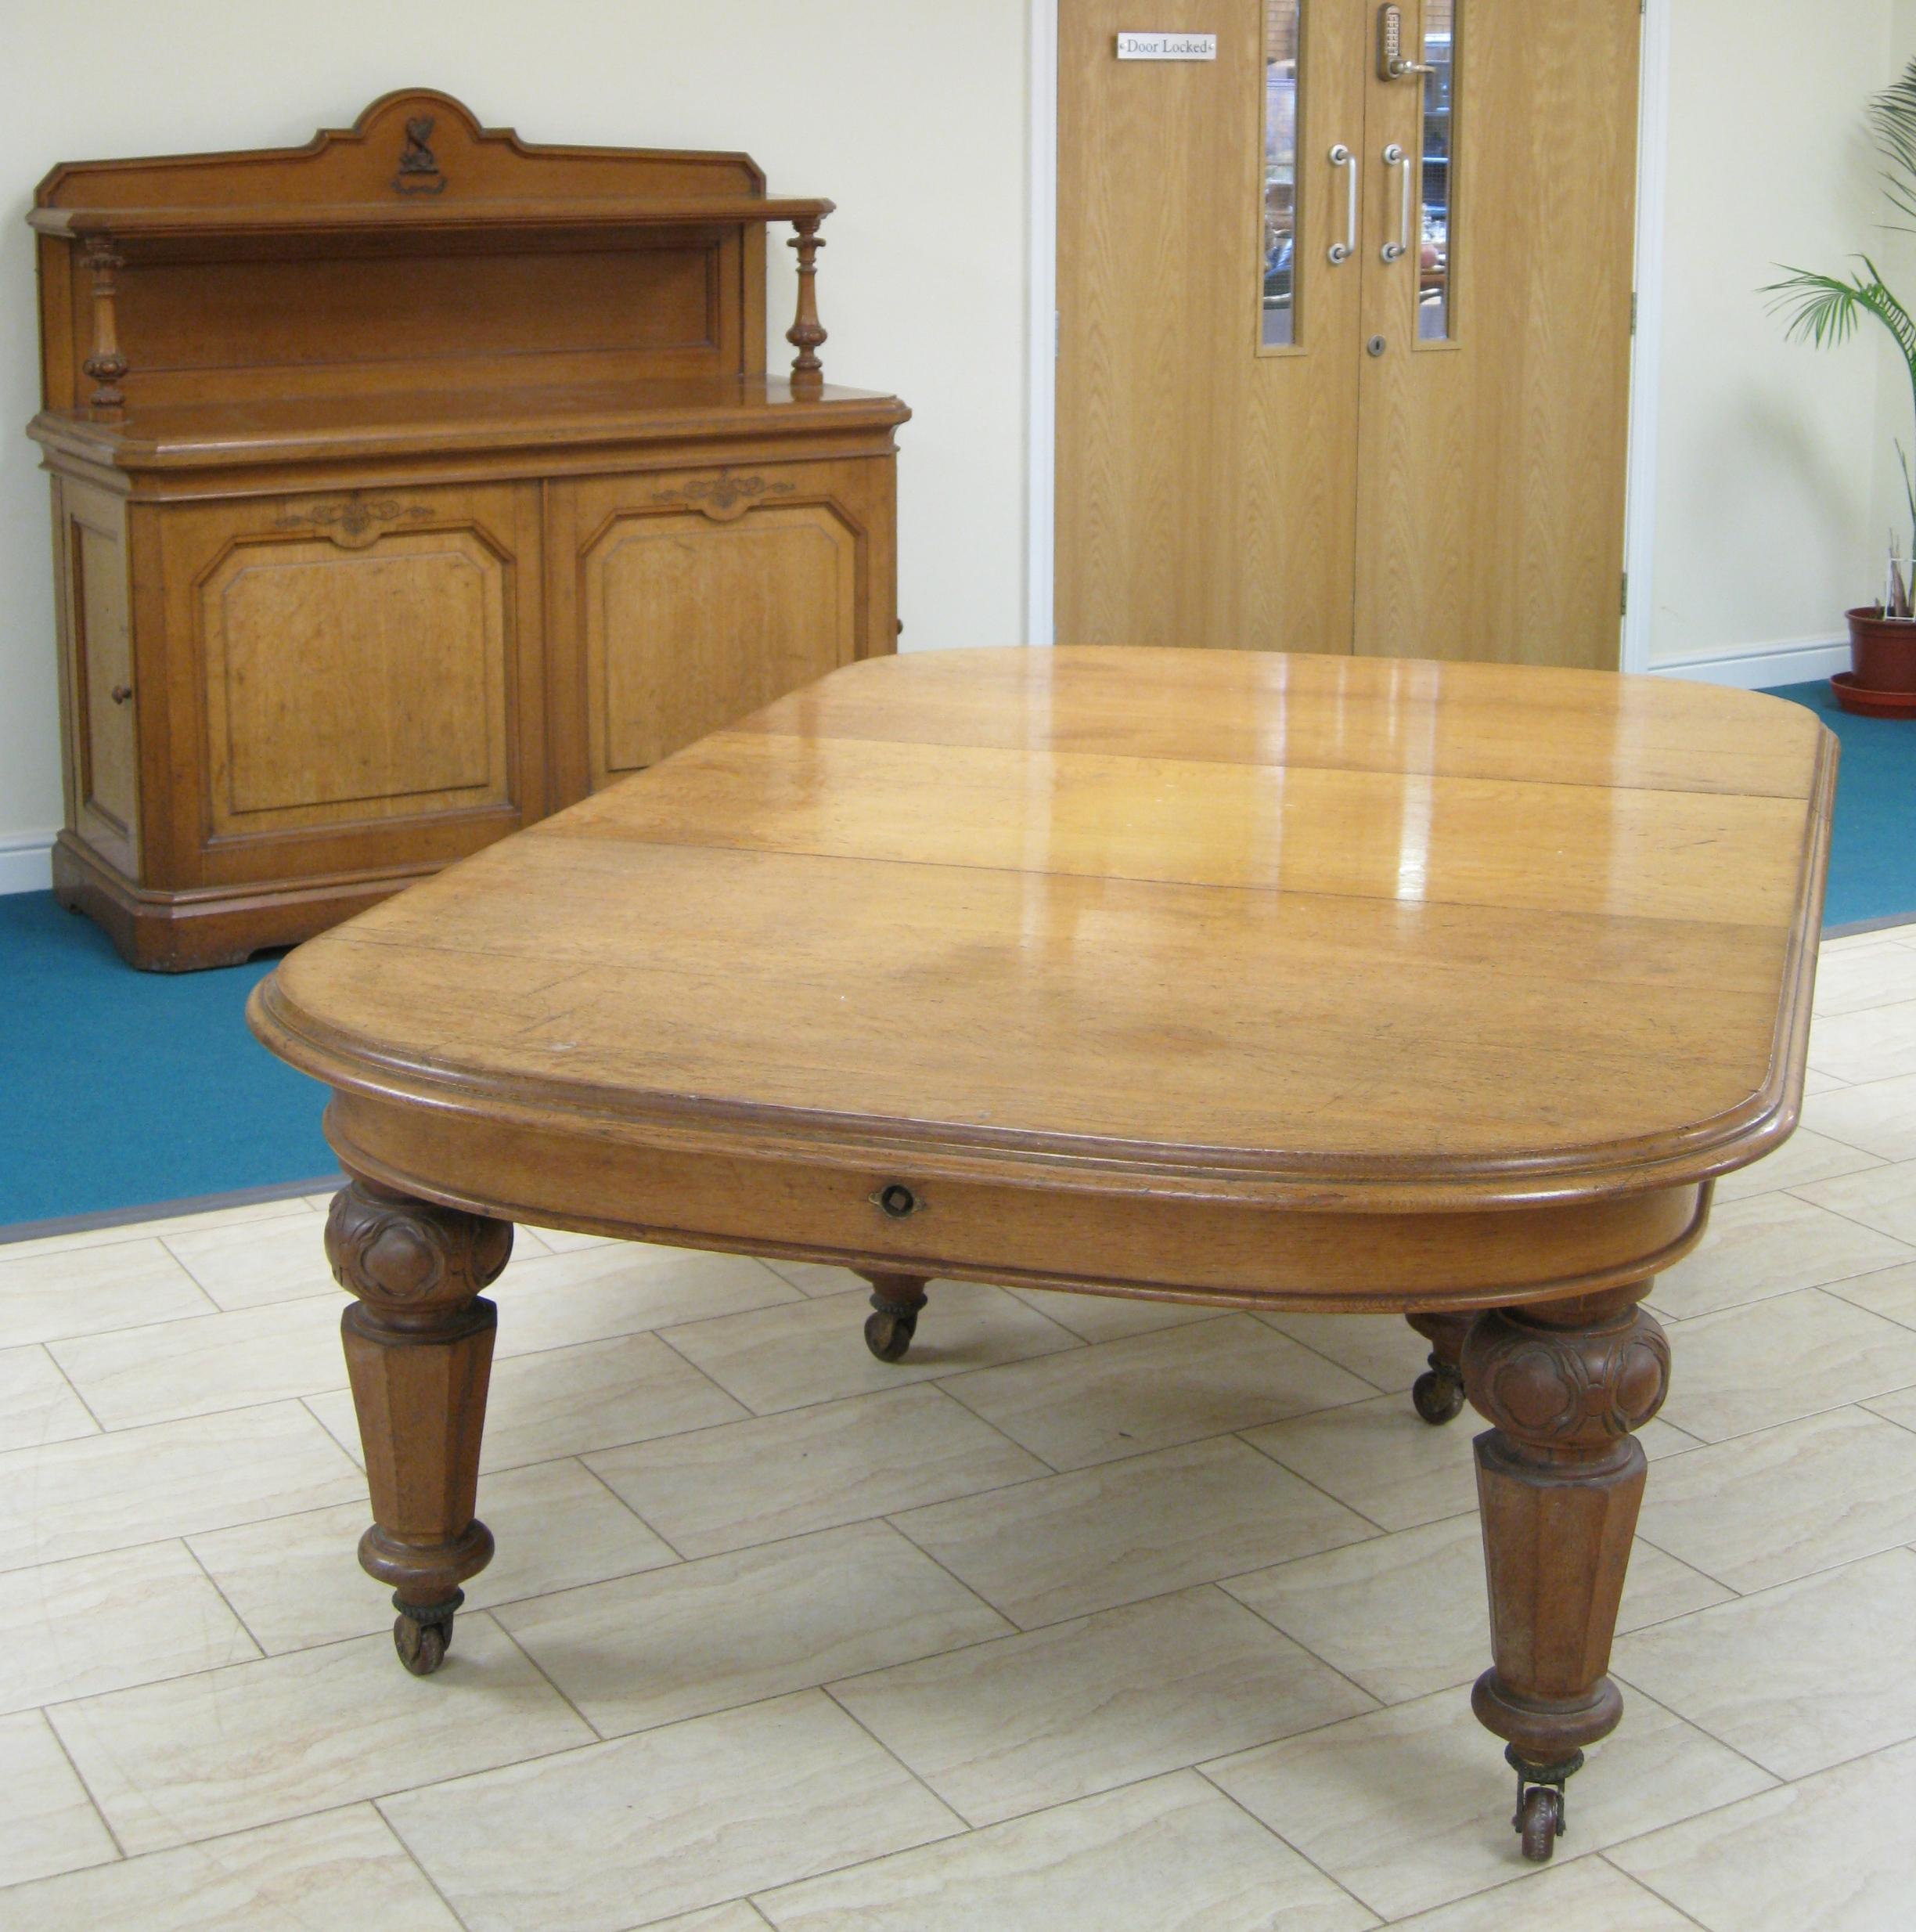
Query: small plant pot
[[1882, 652]]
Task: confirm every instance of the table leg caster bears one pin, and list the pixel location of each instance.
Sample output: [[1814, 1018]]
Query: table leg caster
[[1542, 1817], [1438, 1393], [896, 1301], [422, 1633], [888, 1333]]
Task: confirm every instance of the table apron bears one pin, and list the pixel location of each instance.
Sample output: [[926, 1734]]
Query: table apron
[[1172, 1247]]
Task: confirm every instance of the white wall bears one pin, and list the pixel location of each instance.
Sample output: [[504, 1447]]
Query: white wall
[[913, 115], [910, 113], [1770, 504]]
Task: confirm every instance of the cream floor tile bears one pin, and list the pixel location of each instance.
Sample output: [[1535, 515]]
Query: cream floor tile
[[1205, 1379], [1772, 1245], [142, 1485], [1112, 1318], [1856, 978], [1879, 1118], [818, 1279], [137, 1376], [1772, 1361], [1784, 1502], [1883, 1199], [1379, 1458], [1384, 1349], [806, 1469], [750, 1625], [47, 1823], [1410, 1807], [1099, 1537], [104, 1623], [341, 1871], [814, 1350], [626, 1833], [736, 1917], [612, 1287], [566, 1401], [37, 1403], [1406, 1614], [1587, 1896], [88, 1291], [1781, 1675], [563, 1240], [1042, 1718], [157, 1227], [1804, 1157], [1819, 1856], [249, 1264], [297, 1581], [1815, 1082], [1170, 1855], [260, 1742], [1890, 1292], [1877, 1045]]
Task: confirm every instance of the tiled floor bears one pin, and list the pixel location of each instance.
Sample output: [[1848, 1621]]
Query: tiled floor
[[1090, 1617]]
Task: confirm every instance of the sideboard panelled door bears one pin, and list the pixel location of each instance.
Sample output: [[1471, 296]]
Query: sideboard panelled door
[[368, 676], [1416, 449], [695, 597]]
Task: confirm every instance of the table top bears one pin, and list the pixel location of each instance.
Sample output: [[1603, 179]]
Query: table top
[[1376, 933]]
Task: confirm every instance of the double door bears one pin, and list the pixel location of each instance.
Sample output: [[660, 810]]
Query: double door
[[1345, 318]]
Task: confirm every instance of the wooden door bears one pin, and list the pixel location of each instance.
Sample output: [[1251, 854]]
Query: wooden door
[[1493, 431], [1206, 476], [1432, 465]]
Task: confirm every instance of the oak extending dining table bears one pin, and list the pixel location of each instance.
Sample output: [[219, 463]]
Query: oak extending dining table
[[1270, 982]]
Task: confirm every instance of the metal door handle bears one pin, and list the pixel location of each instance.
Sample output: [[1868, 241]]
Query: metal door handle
[[1395, 156], [1342, 157]]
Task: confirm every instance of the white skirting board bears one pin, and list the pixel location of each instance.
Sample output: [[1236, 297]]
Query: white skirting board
[[26, 862], [1763, 670]]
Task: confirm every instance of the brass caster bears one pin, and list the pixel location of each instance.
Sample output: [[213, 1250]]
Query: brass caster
[[423, 1634], [888, 1335], [1438, 1393], [1539, 1822], [1542, 1815]]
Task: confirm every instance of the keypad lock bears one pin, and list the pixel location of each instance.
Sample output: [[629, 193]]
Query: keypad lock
[[1391, 65]]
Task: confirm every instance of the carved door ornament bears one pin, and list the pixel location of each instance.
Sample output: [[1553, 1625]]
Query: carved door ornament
[[724, 497], [352, 522], [419, 169]]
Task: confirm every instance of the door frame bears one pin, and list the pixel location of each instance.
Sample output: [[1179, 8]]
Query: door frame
[[1042, 330]]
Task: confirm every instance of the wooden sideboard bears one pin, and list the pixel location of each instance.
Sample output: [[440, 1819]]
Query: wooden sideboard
[[408, 486]]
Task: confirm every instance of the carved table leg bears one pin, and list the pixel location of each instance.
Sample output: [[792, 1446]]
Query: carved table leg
[[419, 1351], [896, 1300], [1439, 1391], [1559, 1479]]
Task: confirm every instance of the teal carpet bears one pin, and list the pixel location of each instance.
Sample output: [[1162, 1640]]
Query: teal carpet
[[1872, 875], [127, 1091]]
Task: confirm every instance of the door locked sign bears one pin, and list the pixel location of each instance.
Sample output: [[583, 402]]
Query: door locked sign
[[1167, 46]]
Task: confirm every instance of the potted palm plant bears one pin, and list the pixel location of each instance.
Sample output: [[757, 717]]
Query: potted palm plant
[[1824, 310]]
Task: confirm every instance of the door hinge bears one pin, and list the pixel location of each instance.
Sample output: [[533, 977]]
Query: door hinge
[[1626, 611]]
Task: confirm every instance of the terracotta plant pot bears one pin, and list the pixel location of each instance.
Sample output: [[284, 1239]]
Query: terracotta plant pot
[[1883, 651]]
